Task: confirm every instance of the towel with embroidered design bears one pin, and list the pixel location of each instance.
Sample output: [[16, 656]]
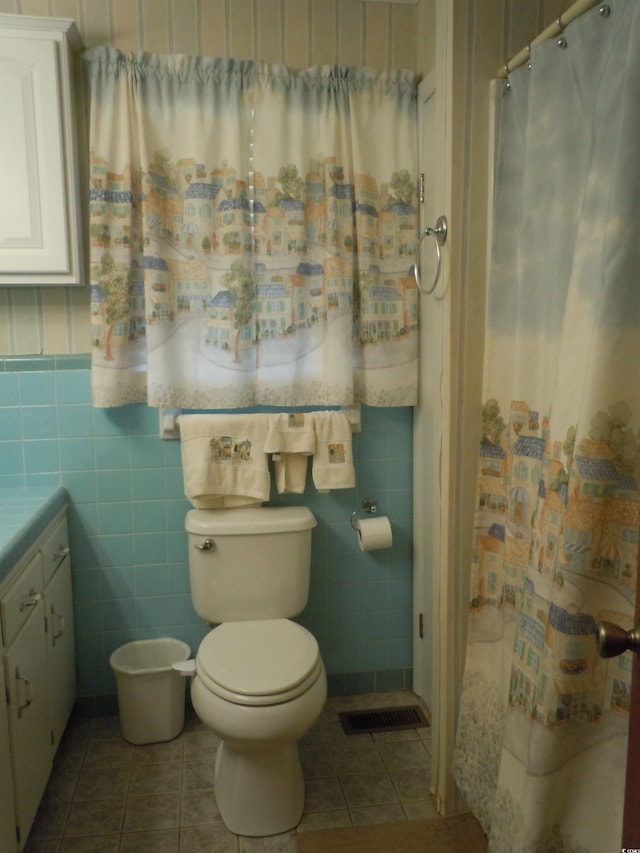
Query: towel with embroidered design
[[333, 455], [223, 459]]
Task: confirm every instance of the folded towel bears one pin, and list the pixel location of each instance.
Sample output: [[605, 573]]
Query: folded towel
[[290, 470], [290, 432], [291, 439], [333, 456], [223, 460]]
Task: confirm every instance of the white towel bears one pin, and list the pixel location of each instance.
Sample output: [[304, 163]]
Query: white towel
[[333, 456], [223, 460], [291, 439]]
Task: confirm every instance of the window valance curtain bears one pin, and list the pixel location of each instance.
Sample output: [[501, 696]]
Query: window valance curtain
[[252, 233]]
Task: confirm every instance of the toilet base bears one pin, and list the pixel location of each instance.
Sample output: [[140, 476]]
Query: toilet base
[[259, 791]]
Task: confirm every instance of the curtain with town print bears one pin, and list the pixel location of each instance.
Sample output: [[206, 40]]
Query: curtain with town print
[[252, 233], [542, 727]]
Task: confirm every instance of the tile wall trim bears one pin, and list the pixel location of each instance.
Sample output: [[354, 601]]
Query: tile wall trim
[[32, 363]]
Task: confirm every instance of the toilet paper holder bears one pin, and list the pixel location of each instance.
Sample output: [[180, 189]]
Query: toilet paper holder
[[368, 505]]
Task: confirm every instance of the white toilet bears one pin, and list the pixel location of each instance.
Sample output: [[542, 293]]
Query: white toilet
[[259, 683]]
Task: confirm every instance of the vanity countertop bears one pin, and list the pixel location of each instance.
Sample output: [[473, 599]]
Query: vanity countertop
[[24, 515]]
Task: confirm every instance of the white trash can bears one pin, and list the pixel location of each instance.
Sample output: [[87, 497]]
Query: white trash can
[[151, 695]]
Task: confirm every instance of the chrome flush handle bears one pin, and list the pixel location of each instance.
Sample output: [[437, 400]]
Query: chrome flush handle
[[207, 545]]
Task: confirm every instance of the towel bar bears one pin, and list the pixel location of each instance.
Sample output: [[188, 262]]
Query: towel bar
[[170, 430]]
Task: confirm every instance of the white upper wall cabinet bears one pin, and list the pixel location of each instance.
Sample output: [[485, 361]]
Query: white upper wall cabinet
[[40, 208]]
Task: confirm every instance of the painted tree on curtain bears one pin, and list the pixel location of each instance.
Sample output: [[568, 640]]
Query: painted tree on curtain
[[252, 233], [541, 744]]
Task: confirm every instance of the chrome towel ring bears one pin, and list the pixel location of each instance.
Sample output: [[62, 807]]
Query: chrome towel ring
[[440, 235]]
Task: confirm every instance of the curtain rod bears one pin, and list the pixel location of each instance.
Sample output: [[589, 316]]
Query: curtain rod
[[554, 29]]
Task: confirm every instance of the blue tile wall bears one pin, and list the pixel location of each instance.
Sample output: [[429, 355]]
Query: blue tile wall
[[128, 542]]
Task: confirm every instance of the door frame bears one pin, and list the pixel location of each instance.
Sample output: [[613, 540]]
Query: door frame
[[435, 450]]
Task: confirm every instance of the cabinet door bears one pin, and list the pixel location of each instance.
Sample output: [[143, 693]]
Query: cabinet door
[[33, 216], [7, 807], [60, 638], [27, 676]]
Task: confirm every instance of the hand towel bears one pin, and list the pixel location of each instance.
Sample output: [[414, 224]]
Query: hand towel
[[223, 460], [291, 439], [333, 455]]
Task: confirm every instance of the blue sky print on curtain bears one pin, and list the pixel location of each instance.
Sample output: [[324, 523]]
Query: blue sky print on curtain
[[252, 233]]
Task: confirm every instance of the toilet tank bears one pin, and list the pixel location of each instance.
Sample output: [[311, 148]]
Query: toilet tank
[[249, 563]]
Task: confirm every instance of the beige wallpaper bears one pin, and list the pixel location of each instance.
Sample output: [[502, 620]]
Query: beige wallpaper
[[299, 33]]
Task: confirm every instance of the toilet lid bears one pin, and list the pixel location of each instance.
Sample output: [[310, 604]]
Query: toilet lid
[[258, 660]]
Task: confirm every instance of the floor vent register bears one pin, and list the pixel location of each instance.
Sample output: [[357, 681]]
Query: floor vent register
[[383, 719]]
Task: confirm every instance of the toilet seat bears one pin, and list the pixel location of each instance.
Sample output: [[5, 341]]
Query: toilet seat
[[263, 662]]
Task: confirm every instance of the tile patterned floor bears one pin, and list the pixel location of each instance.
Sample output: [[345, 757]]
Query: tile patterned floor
[[108, 796]]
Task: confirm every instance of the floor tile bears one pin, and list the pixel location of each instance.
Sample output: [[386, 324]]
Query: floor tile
[[199, 807], [208, 839], [96, 784], [160, 841], [108, 796], [323, 795], [95, 817], [159, 753], [152, 812], [199, 774], [369, 789], [156, 778], [91, 844], [377, 814]]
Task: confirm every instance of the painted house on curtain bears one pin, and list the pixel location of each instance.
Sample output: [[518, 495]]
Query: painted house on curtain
[[203, 221], [557, 676]]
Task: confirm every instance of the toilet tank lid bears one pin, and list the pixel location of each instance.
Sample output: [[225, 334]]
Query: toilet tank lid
[[249, 520]]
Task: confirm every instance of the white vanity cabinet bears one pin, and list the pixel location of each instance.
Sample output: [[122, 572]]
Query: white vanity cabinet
[[39, 668], [40, 214]]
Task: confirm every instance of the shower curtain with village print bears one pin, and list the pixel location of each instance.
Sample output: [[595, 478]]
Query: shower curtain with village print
[[252, 233], [542, 727]]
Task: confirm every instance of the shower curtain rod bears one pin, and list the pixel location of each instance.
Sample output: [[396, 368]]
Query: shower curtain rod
[[554, 29]]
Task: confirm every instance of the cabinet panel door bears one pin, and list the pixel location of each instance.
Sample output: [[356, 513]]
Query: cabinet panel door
[[33, 214], [27, 676], [62, 666], [7, 812], [55, 549], [20, 600]]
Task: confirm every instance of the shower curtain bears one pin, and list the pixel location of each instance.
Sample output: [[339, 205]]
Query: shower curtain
[[542, 728], [252, 233]]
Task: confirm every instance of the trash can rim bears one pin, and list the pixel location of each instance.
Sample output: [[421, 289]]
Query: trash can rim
[[128, 669]]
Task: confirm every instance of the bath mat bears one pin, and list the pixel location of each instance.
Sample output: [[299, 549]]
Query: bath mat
[[438, 835], [383, 719]]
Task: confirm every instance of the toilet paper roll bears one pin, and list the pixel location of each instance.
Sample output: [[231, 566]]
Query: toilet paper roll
[[374, 533]]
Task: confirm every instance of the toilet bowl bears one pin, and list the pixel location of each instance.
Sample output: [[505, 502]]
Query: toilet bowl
[[260, 686]]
